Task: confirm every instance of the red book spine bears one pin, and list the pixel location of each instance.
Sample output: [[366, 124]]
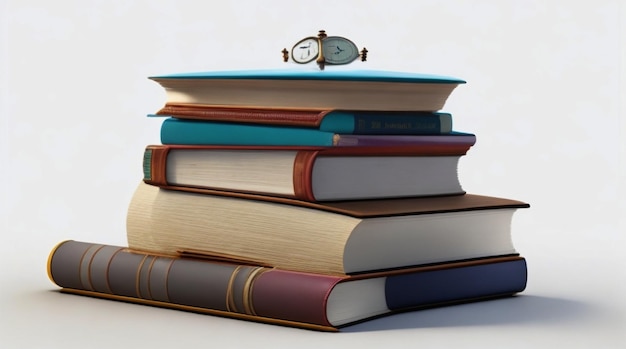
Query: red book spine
[[302, 175], [293, 296], [268, 116]]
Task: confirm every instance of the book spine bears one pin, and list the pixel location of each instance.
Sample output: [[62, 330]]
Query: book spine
[[389, 123], [229, 289], [287, 117], [154, 165], [303, 175]]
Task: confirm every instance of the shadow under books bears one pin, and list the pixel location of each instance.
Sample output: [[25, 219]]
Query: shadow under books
[[512, 310]]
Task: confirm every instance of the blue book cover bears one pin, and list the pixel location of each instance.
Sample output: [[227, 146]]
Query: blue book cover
[[503, 279], [330, 74]]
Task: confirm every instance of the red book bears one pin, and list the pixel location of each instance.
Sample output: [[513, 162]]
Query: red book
[[310, 173]]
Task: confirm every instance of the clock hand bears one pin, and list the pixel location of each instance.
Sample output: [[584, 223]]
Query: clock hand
[[339, 50]]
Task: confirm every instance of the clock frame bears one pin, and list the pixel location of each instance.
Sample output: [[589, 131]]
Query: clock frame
[[325, 50]]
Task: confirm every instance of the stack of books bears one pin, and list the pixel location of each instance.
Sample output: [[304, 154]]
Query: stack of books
[[315, 199]]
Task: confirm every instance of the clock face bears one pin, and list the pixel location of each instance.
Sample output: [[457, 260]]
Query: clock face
[[305, 50], [338, 50]]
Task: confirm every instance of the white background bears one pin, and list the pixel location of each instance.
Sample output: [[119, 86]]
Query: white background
[[545, 96]]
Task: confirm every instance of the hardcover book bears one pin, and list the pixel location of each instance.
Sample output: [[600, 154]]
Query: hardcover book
[[338, 238], [194, 132], [313, 301], [310, 89], [336, 121], [308, 173]]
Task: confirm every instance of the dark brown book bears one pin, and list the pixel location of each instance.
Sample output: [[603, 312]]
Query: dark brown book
[[313, 301], [343, 237]]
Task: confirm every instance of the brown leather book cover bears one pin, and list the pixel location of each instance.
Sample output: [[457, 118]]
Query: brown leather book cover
[[225, 113], [379, 207]]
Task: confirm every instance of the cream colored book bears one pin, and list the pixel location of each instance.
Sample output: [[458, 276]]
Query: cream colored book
[[334, 238]]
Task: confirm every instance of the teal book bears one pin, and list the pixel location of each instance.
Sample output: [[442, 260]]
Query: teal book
[[321, 89], [194, 132]]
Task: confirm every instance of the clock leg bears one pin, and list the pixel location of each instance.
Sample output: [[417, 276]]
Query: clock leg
[[285, 55]]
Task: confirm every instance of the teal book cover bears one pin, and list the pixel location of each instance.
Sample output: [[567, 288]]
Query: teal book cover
[[339, 75], [191, 132]]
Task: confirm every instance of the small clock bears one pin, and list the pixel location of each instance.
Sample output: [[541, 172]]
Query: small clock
[[338, 50], [323, 49], [306, 50]]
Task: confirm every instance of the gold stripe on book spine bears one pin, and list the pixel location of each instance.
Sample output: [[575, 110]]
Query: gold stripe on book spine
[[149, 275], [247, 290], [138, 277], [106, 273], [84, 267], [167, 276], [230, 297]]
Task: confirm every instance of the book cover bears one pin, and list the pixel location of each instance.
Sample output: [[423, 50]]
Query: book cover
[[265, 294]]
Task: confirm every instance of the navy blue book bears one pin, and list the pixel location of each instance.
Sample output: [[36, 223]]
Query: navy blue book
[[261, 293]]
